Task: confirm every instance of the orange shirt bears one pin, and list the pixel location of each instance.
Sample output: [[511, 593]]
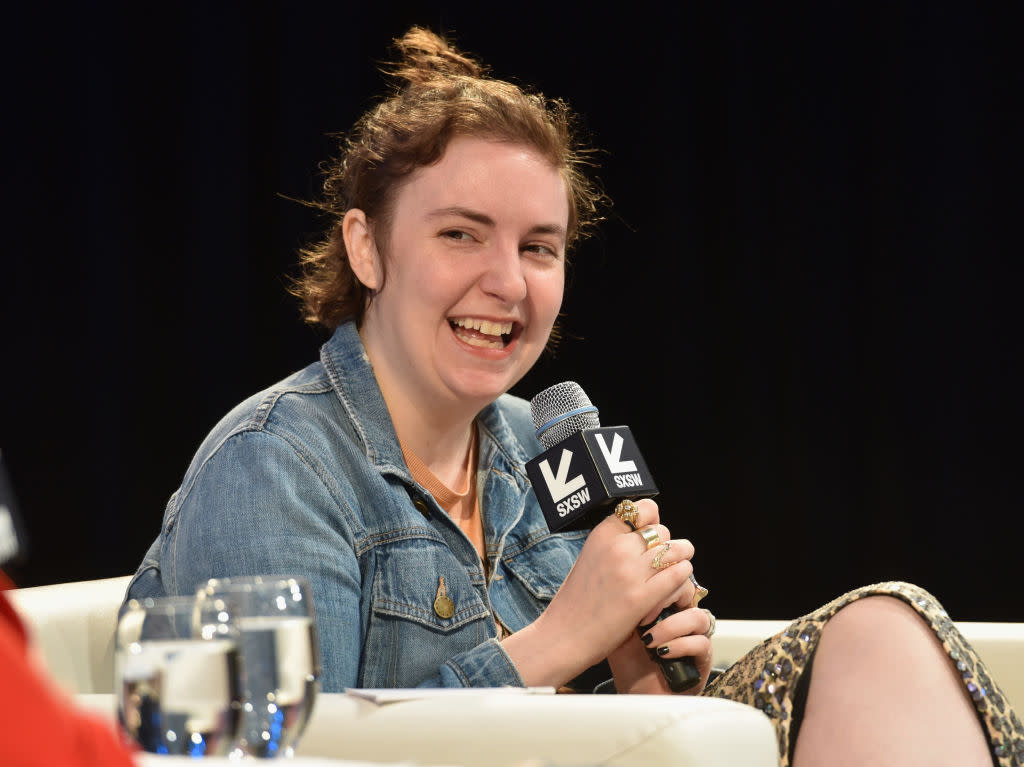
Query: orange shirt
[[463, 506]]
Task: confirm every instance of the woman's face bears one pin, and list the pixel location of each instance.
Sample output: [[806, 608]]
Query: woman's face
[[475, 261]]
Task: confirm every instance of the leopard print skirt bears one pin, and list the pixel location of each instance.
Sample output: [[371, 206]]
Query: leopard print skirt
[[767, 677]]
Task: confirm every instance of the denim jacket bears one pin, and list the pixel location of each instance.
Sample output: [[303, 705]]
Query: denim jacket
[[307, 477]]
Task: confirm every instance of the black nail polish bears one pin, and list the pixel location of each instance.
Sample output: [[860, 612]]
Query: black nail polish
[[646, 638], [680, 673], [663, 650]]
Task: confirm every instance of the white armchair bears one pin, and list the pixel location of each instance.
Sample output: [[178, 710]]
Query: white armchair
[[73, 623]]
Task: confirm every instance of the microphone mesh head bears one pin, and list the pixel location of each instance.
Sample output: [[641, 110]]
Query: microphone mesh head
[[555, 407]]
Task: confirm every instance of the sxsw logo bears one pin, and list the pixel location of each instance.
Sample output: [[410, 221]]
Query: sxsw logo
[[601, 448], [568, 494]]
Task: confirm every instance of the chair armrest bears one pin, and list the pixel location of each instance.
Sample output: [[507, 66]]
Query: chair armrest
[[489, 730], [500, 730]]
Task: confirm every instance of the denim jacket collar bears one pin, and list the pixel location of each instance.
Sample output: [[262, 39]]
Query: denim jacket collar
[[351, 374], [349, 370]]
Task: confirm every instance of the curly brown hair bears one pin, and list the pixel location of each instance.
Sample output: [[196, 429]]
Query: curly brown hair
[[440, 93]]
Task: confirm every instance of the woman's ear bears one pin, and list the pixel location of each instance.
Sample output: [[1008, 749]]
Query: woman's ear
[[361, 248]]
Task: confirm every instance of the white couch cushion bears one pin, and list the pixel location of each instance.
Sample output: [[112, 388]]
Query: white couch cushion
[[72, 626], [494, 730]]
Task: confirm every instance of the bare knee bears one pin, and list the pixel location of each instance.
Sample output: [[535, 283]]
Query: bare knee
[[881, 672], [878, 628], [875, 614]]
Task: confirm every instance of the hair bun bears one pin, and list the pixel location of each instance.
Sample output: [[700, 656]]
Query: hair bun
[[425, 55]]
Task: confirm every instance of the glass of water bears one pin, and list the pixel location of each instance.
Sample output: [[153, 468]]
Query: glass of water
[[281, 660], [177, 677]]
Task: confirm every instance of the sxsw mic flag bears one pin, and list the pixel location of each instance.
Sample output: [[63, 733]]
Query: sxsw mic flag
[[587, 468]]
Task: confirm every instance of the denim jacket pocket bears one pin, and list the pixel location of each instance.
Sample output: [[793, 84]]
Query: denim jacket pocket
[[422, 601], [530, 575], [541, 566]]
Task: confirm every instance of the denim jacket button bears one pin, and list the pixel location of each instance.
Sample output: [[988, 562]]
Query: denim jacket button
[[421, 506]]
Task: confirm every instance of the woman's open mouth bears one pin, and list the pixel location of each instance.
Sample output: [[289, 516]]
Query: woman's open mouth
[[485, 334]]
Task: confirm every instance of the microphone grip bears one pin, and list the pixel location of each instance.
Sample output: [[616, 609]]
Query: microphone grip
[[680, 673]]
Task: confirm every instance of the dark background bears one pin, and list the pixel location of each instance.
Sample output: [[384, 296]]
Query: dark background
[[805, 304]]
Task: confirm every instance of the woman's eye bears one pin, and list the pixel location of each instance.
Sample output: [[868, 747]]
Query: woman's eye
[[542, 250], [455, 234]]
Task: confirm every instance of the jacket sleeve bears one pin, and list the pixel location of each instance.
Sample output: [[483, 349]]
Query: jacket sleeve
[[259, 505]]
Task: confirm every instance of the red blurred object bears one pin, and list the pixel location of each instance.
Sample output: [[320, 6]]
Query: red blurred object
[[40, 726]]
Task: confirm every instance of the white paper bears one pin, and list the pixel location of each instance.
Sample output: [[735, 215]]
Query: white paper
[[396, 694]]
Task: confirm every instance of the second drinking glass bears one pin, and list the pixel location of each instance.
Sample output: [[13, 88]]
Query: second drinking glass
[[276, 622]]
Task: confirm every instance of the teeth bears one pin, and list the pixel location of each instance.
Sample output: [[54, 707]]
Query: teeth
[[483, 343], [486, 327]]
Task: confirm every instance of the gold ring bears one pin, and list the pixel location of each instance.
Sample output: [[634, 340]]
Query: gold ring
[[699, 593], [650, 536], [657, 564], [711, 623], [628, 513]]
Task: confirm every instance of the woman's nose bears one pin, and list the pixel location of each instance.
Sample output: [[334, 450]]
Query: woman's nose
[[503, 275]]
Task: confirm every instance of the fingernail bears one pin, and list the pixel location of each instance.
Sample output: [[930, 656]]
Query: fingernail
[[647, 638], [663, 650]]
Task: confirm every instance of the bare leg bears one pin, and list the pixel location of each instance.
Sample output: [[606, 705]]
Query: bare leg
[[883, 692]]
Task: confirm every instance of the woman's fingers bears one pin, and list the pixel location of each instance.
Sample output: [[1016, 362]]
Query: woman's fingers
[[649, 537], [685, 633], [681, 593], [634, 515], [668, 552]]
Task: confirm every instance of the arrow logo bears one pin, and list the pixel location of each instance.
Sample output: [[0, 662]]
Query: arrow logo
[[613, 457], [557, 485]]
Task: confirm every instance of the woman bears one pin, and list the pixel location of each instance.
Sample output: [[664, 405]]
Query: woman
[[391, 472]]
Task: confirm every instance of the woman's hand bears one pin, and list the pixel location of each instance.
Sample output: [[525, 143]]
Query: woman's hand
[[612, 586], [684, 634]]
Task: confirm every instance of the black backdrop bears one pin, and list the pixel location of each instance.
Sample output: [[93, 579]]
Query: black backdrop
[[805, 305]]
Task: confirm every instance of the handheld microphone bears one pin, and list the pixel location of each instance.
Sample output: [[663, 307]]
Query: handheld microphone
[[584, 471]]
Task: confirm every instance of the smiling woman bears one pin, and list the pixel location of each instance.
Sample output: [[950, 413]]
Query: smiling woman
[[391, 472], [474, 255]]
